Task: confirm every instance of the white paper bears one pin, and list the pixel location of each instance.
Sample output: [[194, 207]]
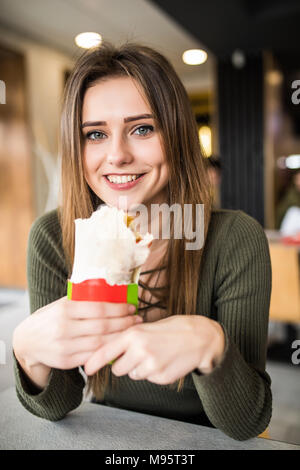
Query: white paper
[[106, 248]]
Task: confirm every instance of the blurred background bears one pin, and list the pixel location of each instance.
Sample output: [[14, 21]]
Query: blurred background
[[243, 81]]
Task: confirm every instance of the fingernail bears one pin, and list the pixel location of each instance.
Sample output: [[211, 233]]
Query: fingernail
[[138, 319], [132, 309]]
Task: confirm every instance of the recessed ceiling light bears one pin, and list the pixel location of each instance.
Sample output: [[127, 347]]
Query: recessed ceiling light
[[274, 77], [194, 57], [205, 140], [87, 40], [238, 59], [293, 162]]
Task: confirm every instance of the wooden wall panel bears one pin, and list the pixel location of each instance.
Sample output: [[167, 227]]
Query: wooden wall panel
[[16, 180]]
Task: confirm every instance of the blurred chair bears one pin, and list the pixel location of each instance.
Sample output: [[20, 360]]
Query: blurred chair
[[285, 296], [265, 434]]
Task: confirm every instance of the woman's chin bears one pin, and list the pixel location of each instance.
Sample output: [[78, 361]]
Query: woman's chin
[[125, 203]]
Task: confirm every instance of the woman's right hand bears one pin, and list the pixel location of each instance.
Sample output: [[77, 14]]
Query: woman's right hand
[[64, 333]]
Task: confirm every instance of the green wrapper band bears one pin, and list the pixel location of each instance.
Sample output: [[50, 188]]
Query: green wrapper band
[[132, 295], [69, 291]]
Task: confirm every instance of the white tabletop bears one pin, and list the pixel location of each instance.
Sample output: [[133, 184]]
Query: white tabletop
[[93, 426]]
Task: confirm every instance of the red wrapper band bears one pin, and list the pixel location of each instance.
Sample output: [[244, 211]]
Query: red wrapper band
[[98, 290]]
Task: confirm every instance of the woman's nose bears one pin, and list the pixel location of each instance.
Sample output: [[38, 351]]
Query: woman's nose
[[118, 152]]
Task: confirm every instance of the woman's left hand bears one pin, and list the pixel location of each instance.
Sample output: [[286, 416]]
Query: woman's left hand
[[162, 351]]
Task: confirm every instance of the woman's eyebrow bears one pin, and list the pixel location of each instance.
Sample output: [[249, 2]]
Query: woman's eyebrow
[[127, 119]]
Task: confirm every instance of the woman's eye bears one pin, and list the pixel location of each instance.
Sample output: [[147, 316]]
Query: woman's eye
[[95, 135], [144, 130]]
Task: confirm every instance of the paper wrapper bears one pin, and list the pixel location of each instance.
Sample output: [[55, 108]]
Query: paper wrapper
[[107, 246]]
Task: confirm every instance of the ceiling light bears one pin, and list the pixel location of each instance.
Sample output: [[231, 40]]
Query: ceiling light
[[194, 57], [293, 162], [205, 140], [274, 77], [87, 40], [238, 59]]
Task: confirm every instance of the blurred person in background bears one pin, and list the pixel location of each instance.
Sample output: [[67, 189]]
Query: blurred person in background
[[214, 169], [290, 200]]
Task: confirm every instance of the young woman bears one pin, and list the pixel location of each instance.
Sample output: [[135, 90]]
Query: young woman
[[198, 354]]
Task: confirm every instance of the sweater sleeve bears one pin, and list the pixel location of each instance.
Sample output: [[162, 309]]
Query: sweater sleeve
[[236, 395], [47, 277]]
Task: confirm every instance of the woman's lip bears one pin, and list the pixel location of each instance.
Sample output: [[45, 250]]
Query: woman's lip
[[122, 186]]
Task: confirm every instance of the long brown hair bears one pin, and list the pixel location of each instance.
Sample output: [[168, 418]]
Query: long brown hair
[[188, 180]]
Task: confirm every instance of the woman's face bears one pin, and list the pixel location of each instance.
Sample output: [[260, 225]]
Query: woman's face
[[123, 153]]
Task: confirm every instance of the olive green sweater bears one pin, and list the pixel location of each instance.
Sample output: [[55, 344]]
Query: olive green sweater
[[234, 289]]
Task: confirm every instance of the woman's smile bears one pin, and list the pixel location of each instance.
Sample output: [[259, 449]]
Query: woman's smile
[[120, 182], [123, 151]]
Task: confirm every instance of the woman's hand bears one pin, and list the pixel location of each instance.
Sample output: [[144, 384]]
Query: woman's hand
[[162, 351], [64, 333]]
